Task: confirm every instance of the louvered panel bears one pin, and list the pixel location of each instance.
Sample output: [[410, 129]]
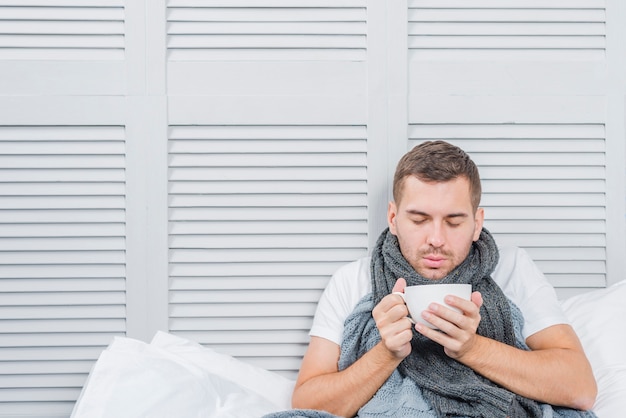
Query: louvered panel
[[54, 341], [244, 268], [265, 227], [60, 312], [263, 337], [56, 367], [62, 244], [248, 309], [552, 29], [270, 173], [250, 282], [547, 213], [40, 410], [267, 31], [51, 174], [544, 190], [267, 186], [263, 255], [260, 217], [544, 186], [208, 325], [62, 229], [61, 30], [63, 285], [270, 214], [54, 353], [62, 252], [239, 296], [44, 218]]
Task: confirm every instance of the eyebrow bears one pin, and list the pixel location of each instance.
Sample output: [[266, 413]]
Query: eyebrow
[[450, 215]]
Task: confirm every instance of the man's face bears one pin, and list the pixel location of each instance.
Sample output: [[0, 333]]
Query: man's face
[[435, 224]]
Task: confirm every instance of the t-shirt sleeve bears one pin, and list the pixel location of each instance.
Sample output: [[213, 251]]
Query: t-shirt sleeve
[[344, 290], [523, 282], [327, 321]]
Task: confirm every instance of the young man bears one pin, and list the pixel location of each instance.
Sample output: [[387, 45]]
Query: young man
[[436, 234]]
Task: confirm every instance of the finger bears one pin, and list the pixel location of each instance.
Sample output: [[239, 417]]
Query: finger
[[399, 286], [389, 303], [399, 343], [443, 318], [391, 309], [466, 306], [477, 298], [397, 333], [433, 334], [391, 300]]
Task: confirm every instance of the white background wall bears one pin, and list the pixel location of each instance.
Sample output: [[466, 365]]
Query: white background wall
[[203, 166]]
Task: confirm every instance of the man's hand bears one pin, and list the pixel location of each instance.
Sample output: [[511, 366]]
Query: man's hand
[[321, 385], [556, 356], [393, 324], [458, 330]]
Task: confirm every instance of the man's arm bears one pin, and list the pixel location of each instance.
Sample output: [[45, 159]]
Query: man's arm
[[555, 371], [321, 386]]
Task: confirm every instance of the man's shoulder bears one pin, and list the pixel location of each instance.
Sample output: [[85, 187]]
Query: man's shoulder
[[353, 279], [516, 273], [358, 266], [511, 258]]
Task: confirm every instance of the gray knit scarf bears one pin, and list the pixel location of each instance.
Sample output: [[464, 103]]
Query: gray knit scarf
[[452, 388]]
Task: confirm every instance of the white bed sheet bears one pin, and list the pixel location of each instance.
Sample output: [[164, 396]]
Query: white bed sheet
[[173, 376]]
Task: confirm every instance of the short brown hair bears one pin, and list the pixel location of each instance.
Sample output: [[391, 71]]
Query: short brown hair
[[437, 161]]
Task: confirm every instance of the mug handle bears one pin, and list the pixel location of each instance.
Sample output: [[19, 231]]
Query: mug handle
[[401, 294]]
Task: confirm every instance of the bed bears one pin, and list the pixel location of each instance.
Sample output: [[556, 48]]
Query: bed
[[175, 377]]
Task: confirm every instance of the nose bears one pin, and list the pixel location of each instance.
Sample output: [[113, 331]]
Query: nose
[[436, 235]]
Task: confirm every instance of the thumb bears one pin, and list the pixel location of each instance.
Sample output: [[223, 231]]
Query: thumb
[[399, 286], [477, 298]]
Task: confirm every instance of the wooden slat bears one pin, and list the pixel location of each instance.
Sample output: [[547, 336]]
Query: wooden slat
[[62, 31], [552, 29], [266, 32]]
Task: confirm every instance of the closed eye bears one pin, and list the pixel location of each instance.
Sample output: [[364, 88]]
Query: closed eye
[[456, 220]]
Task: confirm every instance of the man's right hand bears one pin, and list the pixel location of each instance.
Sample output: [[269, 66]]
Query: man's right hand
[[394, 326], [321, 385]]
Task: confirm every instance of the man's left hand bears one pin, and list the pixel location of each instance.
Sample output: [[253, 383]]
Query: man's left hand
[[457, 331]]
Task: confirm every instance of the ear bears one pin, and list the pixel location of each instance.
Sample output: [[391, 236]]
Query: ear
[[479, 219], [392, 212]]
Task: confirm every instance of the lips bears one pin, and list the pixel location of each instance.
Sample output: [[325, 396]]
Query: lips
[[434, 261]]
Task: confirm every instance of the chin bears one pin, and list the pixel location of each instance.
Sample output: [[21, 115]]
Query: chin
[[432, 274]]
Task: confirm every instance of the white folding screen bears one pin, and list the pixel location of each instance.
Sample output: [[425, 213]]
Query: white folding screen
[[203, 166]]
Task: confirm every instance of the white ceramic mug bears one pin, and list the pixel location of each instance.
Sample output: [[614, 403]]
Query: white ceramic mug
[[417, 298]]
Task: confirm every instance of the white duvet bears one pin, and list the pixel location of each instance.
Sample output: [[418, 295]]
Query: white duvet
[[175, 377]]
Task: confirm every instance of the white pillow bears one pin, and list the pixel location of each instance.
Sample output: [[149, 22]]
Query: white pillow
[[272, 386], [598, 318], [133, 379]]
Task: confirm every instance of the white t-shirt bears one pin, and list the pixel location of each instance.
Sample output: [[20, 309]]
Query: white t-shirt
[[516, 273]]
